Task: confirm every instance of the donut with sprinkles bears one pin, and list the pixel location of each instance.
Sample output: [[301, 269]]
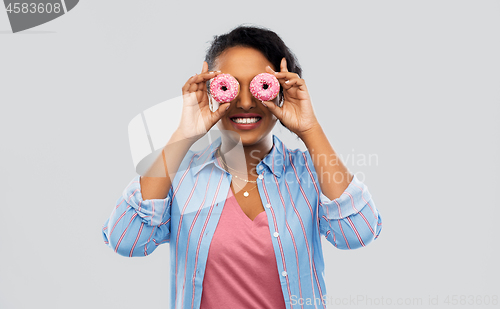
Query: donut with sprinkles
[[265, 87], [224, 88]]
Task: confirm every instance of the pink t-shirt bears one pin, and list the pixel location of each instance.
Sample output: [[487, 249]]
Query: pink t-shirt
[[241, 270]]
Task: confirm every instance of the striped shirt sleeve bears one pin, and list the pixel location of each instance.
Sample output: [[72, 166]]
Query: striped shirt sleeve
[[350, 221], [136, 227]]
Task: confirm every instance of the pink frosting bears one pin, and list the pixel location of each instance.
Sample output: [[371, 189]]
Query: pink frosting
[[224, 88], [265, 86]]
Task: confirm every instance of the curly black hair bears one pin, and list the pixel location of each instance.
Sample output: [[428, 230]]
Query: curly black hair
[[260, 38]]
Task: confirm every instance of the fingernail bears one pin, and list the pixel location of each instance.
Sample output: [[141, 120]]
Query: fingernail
[[228, 106], [217, 71], [287, 82], [211, 72], [263, 103]]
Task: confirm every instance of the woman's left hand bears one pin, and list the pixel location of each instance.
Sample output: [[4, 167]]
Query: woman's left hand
[[296, 112]]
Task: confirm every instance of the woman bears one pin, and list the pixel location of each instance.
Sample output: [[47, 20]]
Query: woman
[[245, 232]]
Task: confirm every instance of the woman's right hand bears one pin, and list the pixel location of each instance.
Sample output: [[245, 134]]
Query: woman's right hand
[[197, 118]]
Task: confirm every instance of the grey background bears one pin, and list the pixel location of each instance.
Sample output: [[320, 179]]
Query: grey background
[[414, 82]]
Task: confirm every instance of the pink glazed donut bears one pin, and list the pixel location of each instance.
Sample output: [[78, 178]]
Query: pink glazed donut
[[224, 88], [265, 86]]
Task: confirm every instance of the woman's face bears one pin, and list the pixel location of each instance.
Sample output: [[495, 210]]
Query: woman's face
[[244, 63]]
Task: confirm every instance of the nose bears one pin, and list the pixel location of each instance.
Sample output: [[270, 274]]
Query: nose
[[245, 100]]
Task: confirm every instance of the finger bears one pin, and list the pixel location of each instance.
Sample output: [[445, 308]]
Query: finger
[[286, 75], [221, 111], [197, 82], [204, 68], [297, 82], [274, 109], [202, 77], [285, 81], [283, 65], [202, 85], [193, 83], [189, 83], [270, 70]]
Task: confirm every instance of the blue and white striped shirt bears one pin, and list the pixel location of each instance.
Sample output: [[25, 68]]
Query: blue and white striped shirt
[[298, 213]]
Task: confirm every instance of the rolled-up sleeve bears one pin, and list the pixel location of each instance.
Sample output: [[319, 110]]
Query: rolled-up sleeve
[[352, 220], [136, 227]]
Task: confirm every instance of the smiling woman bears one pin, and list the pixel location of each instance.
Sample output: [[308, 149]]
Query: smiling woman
[[244, 217], [244, 64]]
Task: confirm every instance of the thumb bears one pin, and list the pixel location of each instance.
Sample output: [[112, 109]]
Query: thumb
[[221, 111], [273, 108]]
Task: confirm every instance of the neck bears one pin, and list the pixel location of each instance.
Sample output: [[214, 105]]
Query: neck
[[245, 160]]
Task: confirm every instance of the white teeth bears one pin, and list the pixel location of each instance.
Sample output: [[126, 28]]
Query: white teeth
[[245, 120]]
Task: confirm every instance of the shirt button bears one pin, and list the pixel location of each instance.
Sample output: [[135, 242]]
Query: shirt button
[[283, 273], [268, 205], [260, 167], [261, 176], [276, 234]]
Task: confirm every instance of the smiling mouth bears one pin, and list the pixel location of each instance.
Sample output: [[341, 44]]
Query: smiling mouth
[[245, 120]]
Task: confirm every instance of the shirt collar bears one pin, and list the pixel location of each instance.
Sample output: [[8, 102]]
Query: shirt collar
[[273, 161]]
